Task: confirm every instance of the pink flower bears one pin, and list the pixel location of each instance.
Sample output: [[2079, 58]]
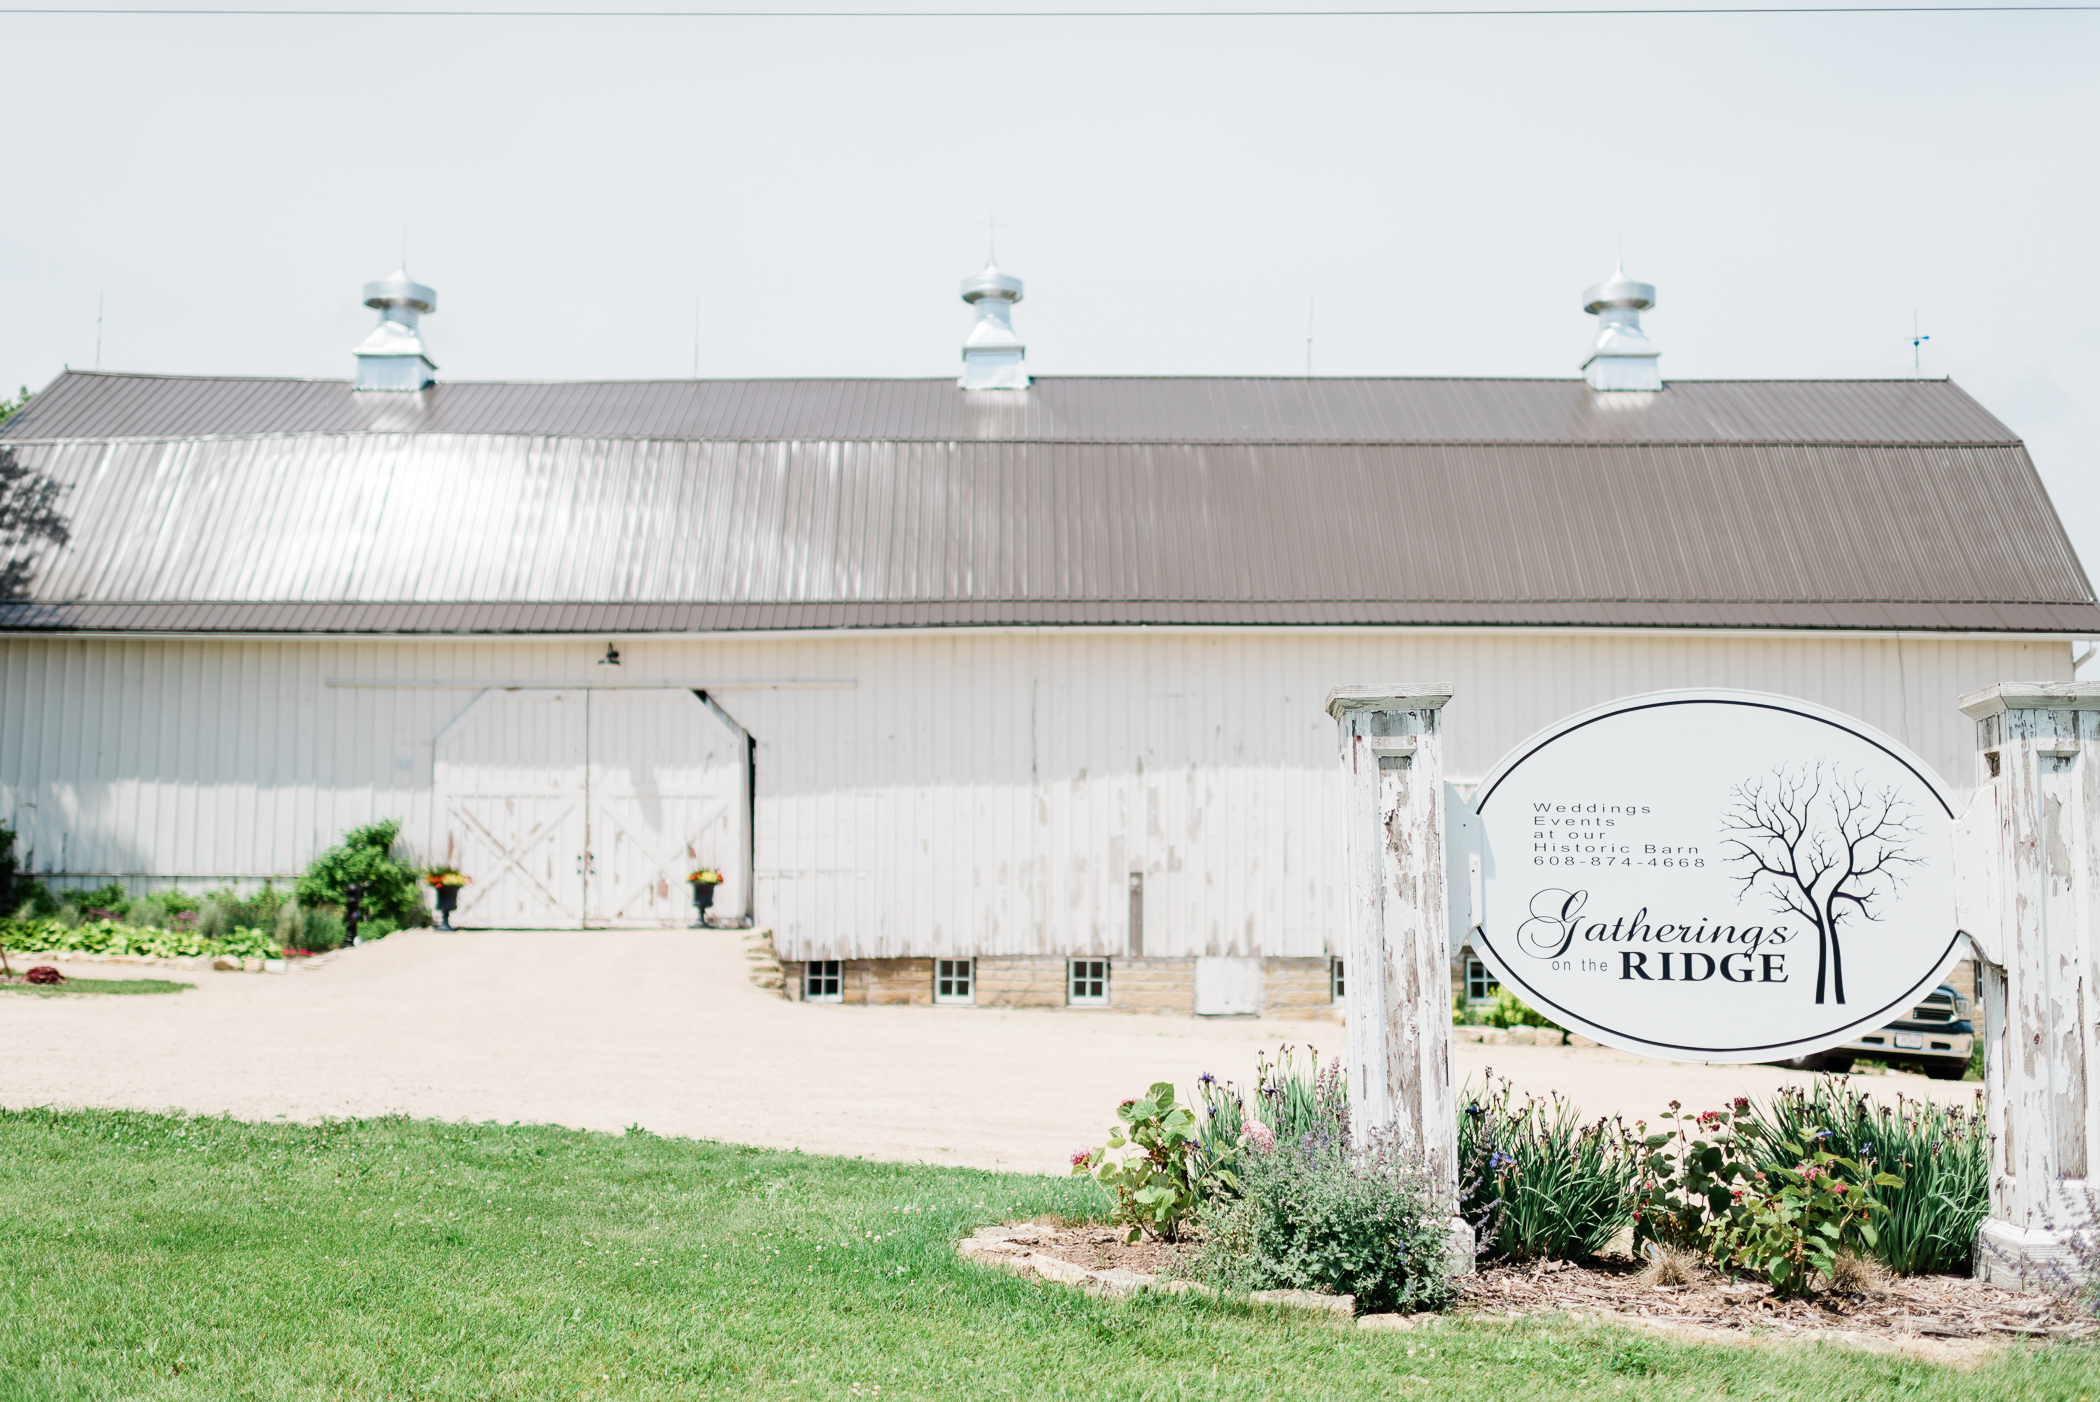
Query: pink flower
[[1258, 1135], [1082, 1156]]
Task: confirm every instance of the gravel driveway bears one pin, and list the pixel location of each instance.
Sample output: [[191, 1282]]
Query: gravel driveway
[[605, 1029]]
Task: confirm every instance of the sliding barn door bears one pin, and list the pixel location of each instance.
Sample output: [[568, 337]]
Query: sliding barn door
[[668, 787], [510, 778]]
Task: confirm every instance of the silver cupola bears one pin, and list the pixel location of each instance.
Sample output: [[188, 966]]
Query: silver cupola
[[992, 353], [1622, 357], [392, 357]]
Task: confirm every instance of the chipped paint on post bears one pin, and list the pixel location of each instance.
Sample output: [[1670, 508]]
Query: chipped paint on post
[[1399, 1007], [2030, 910]]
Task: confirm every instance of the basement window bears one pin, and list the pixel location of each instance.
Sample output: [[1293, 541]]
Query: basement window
[[1087, 983], [822, 982], [1337, 989], [955, 980], [1481, 986]]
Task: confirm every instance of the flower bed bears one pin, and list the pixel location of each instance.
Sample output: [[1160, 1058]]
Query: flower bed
[[107, 937]]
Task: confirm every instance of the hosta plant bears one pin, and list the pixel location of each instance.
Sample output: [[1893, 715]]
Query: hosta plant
[[1150, 1163]]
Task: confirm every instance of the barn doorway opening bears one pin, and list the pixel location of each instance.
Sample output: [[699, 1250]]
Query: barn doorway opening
[[589, 807]]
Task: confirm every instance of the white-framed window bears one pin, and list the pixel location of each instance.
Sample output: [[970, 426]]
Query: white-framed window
[[822, 982], [1337, 988], [1086, 982], [955, 980], [1480, 984]]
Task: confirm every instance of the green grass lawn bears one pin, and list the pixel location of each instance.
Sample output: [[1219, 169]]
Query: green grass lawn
[[96, 985], [147, 1256]]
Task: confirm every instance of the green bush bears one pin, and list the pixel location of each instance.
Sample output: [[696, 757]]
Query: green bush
[[1507, 1010], [315, 929], [1791, 1223], [1536, 1181], [1941, 1154], [392, 888], [110, 897], [226, 909], [1316, 1213]]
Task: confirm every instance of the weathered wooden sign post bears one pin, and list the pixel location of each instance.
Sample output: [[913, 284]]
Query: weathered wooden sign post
[[2025, 871], [1397, 952], [1729, 876]]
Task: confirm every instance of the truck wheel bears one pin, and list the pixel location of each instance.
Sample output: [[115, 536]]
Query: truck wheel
[[1946, 1070]]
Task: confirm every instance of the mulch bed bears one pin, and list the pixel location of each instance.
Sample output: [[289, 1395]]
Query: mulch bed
[[1901, 1309], [1093, 1247], [1945, 1317]]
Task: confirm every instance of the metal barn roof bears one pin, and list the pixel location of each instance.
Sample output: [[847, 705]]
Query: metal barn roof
[[244, 506]]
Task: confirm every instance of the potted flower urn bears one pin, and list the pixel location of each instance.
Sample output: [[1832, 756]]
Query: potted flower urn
[[703, 883], [446, 881]]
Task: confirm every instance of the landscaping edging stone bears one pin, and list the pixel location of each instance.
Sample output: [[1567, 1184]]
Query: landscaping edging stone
[[1013, 1248]]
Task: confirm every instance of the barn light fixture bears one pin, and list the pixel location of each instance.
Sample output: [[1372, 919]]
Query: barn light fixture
[[611, 658]]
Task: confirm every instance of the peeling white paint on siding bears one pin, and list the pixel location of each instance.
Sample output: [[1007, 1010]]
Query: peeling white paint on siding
[[971, 793]]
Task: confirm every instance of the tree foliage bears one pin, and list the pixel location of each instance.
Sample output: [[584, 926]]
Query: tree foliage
[[29, 517]]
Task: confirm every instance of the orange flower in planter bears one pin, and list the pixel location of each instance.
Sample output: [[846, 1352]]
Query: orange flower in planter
[[706, 876]]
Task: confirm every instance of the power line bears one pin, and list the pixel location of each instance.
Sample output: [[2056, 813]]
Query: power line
[[1077, 14]]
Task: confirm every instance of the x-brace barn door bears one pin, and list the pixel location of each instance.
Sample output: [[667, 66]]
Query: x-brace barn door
[[668, 774], [592, 807], [512, 791]]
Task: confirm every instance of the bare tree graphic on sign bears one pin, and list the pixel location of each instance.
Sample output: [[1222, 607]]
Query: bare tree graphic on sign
[[1827, 848]]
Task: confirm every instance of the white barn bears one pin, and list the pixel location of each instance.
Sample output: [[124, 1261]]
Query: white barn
[[1023, 675]]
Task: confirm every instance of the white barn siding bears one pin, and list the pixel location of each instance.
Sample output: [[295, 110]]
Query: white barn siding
[[968, 793]]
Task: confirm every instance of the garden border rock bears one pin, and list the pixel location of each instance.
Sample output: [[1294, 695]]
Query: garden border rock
[[1012, 1246]]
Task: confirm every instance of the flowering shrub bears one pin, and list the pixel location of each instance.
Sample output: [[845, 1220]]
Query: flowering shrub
[[44, 974], [1788, 1224], [1317, 1213], [1258, 1137], [1689, 1175], [1941, 1152], [1150, 1164]]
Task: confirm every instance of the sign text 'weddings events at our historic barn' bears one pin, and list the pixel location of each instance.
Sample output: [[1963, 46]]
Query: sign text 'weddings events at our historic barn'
[[1716, 875]]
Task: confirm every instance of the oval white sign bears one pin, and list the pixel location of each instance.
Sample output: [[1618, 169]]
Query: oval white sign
[[1716, 876]]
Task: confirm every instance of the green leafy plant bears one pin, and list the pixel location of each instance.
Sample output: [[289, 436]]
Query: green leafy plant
[[391, 887], [1150, 1163], [1537, 1181], [1506, 1010], [1789, 1224], [1686, 1177], [1927, 1225], [1320, 1214], [111, 937]]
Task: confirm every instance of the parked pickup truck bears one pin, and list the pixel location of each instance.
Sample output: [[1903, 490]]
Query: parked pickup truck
[[1935, 1039]]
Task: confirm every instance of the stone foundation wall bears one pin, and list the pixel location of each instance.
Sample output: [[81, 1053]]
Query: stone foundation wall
[[1152, 986], [1291, 988], [905, 981], [1297, 988], [1021, 982]]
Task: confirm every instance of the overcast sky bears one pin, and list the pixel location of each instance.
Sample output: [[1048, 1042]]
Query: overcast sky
[[1174, 193]]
